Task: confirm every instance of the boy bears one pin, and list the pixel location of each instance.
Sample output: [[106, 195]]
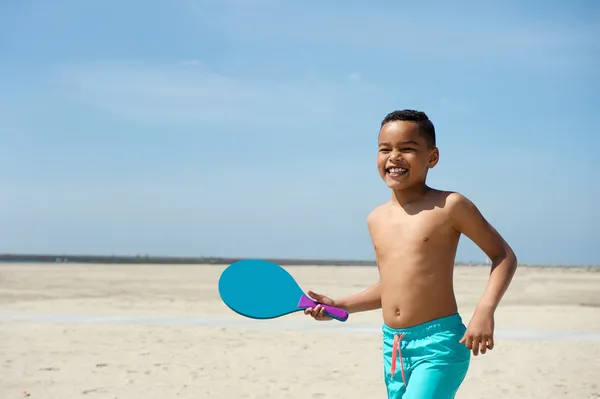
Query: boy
[[426, 346]]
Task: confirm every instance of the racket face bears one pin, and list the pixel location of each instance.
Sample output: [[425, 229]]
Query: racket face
[[259, 289]]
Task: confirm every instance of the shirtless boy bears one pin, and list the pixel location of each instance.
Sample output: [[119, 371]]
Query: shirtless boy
[[426, 346]]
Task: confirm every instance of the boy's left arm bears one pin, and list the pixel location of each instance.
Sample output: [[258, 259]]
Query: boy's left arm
[[467, 220]]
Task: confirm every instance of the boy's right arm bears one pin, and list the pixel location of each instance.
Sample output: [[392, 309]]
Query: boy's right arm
[[369, 299]]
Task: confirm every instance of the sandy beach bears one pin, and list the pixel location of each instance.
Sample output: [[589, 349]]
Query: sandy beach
[[159, 331]]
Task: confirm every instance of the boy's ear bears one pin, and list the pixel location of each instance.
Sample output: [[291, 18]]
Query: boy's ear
[[434, 157]]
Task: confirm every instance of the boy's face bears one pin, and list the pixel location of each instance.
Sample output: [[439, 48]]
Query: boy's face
[[404, 157]]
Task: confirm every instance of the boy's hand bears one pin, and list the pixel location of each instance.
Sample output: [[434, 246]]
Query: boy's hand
[[479, 336], [318, 312]]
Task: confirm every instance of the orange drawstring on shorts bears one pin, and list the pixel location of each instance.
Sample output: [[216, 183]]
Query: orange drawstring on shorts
[[397, 349]]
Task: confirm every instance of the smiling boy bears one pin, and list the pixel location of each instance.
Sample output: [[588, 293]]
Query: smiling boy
[[426, 346]]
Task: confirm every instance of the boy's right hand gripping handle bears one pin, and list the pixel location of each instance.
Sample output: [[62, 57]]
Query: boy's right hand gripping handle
[[336, 313]]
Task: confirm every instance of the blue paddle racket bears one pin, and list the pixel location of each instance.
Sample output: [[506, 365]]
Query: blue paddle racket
[[264, 290]]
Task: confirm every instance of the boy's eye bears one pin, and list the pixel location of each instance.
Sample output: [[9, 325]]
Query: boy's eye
[[407, 149]]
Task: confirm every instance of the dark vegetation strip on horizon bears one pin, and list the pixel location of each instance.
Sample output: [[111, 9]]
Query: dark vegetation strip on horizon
[[204, 260], [146, 259]]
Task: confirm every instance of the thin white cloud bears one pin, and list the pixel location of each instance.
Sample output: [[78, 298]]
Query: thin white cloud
[[193, 62], [171, 94]]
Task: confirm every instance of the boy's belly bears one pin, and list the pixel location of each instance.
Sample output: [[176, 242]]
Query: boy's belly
[[414, 299]]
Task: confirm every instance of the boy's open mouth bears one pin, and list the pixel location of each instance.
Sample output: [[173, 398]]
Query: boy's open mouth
[[396, 171]]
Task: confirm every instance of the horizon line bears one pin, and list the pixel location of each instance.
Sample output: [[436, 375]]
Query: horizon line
[[218, 260]]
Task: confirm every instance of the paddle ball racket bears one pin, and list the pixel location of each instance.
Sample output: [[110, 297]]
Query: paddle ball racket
[[260, 289]]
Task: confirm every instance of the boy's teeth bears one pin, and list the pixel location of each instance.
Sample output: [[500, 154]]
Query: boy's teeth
[[397, 170]]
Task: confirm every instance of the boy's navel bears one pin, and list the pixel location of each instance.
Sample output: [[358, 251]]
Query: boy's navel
[[425, 238]]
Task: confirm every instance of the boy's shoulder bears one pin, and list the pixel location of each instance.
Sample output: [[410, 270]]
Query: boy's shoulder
[[452, 203], [460, 210], [450, 199], [456, 201]]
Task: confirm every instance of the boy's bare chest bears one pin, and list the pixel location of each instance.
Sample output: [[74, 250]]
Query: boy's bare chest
[[424, 229]]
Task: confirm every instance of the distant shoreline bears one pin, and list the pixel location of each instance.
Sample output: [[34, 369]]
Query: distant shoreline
[[174, 260], [147, 259]]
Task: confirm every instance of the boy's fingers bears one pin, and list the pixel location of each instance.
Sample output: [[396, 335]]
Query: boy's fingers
[[490, 343], [463, 339], [316, 311], [483, 346], [322, 314], [469, 342], [476, 346], [314, 295]]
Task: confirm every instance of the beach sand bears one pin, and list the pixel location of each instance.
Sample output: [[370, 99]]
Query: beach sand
[[160, 331]]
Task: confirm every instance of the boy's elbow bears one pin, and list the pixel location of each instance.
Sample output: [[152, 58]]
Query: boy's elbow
[[506, 257], [511, 257]]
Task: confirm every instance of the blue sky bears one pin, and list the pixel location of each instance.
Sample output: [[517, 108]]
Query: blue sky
[[249, 128]]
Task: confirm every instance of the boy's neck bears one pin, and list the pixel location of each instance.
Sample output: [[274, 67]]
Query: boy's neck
[[413, 194]]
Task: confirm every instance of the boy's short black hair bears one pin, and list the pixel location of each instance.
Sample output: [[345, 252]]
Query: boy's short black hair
[[425, 125]]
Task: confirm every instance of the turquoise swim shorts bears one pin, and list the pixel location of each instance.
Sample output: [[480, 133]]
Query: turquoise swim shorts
[[425, 361]]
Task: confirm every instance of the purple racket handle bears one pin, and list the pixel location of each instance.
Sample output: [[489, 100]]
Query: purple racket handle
[[336, 313]]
